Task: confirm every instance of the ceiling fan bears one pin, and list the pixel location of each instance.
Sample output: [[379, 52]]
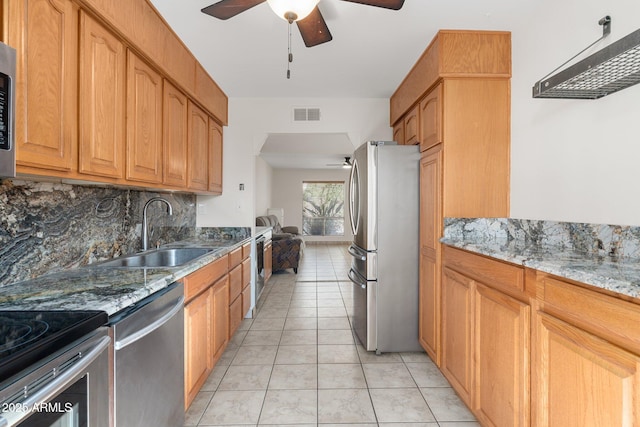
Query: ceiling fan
[[305, 13], [345, 165]]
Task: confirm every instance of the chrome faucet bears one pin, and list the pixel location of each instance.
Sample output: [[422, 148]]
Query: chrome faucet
[[145, 229]]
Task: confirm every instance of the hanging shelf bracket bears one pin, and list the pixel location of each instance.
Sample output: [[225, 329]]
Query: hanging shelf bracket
[[613, 68]]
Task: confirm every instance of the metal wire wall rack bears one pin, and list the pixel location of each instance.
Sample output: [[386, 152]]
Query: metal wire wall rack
[[611, 69]]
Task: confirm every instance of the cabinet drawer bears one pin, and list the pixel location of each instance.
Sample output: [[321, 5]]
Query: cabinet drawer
[[235, 257], [235, 316], [246, 299], [201, 279], [235, 283], [246, 272], [246, 250], [609, 317], [498, 274]]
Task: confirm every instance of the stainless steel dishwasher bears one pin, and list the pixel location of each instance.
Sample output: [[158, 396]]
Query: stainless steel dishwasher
[[148, 361]]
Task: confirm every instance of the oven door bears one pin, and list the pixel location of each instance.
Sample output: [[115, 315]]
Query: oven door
[[70, 389]]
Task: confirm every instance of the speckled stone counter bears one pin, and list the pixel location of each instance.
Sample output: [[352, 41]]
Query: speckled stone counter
[[108, 288], [603, 256]]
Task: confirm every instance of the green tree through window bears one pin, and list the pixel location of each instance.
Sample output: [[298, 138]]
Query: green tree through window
[[323, 208]]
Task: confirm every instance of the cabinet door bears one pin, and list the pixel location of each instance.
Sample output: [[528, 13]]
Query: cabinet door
[[144, 121], [398, 132], [246, 272], [411, 126], [457, 315], [215, 157], [581, 379], [430, 254], [235, 315], [431, 118], [220, 327], [246, 300], [45, 36], [102, 89], [235, 283], [198, 123], [501, 359], [268, 262], [174, 125], [198, 344]]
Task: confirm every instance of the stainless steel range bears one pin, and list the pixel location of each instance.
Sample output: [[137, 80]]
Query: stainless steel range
[[54, 368]]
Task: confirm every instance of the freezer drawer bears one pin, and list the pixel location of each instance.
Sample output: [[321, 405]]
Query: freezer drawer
[[363, 318], [364, 263]]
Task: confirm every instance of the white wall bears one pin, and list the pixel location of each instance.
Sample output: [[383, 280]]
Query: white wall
[[287, 194], [250, 122], [573, 160], [264, 178]]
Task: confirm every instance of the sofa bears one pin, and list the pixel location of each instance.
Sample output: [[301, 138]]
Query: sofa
[[287, 243]]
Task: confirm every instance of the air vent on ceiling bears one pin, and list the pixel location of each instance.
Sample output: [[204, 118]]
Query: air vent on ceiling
[[306, 114]]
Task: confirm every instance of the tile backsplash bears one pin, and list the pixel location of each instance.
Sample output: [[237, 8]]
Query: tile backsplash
[[47, 227]]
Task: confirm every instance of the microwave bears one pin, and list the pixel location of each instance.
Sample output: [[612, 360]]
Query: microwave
[[7, 111]]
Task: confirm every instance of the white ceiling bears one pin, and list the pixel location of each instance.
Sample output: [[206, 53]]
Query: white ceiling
[[371, 51]]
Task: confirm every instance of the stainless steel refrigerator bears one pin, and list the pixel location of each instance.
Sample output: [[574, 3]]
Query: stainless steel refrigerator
[[384, 209]]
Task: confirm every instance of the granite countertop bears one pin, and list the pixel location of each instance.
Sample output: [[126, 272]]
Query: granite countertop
[[106, 288], [603, 256]]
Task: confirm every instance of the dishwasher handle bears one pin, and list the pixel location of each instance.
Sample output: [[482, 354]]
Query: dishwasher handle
[[138, 335]]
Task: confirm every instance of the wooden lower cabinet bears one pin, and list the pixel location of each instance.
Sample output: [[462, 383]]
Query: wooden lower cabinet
[[526, 348], [586, 357], [198, 315], [457, 318], [220, 292], [429, 306], [206, 324], [486, 334], [501, 358], [268, 261]]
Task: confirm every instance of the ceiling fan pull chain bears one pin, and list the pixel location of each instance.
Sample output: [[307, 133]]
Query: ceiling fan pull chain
[[290, 55]]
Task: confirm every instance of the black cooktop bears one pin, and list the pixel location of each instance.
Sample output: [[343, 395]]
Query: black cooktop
[[27, 337]]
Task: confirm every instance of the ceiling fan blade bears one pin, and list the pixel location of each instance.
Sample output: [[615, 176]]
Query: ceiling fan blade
[[313, 29], [226, 9], [387, 4]]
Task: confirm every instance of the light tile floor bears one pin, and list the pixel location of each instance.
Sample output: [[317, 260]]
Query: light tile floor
[[297, 364]]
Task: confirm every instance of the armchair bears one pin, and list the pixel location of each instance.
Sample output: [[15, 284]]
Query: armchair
[[287, 242]]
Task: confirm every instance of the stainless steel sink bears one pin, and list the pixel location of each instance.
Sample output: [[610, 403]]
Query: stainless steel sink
[[173, 257]]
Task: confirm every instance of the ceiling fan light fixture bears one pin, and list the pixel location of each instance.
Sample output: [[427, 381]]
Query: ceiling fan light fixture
[[286, 9]]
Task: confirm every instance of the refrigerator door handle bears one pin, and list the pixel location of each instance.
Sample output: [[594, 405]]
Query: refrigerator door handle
[[353, 276], [354, 197], [354, 252]]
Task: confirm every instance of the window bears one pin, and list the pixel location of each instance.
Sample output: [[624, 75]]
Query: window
[[323, 208]]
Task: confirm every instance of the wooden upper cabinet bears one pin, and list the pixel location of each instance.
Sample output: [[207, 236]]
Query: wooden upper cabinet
[[215, 157], [431, 119], [198, 176], [455, 54], [398, 132], [144, 121], [102, 104], [175, 136], [45, 36], [412, 126]]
